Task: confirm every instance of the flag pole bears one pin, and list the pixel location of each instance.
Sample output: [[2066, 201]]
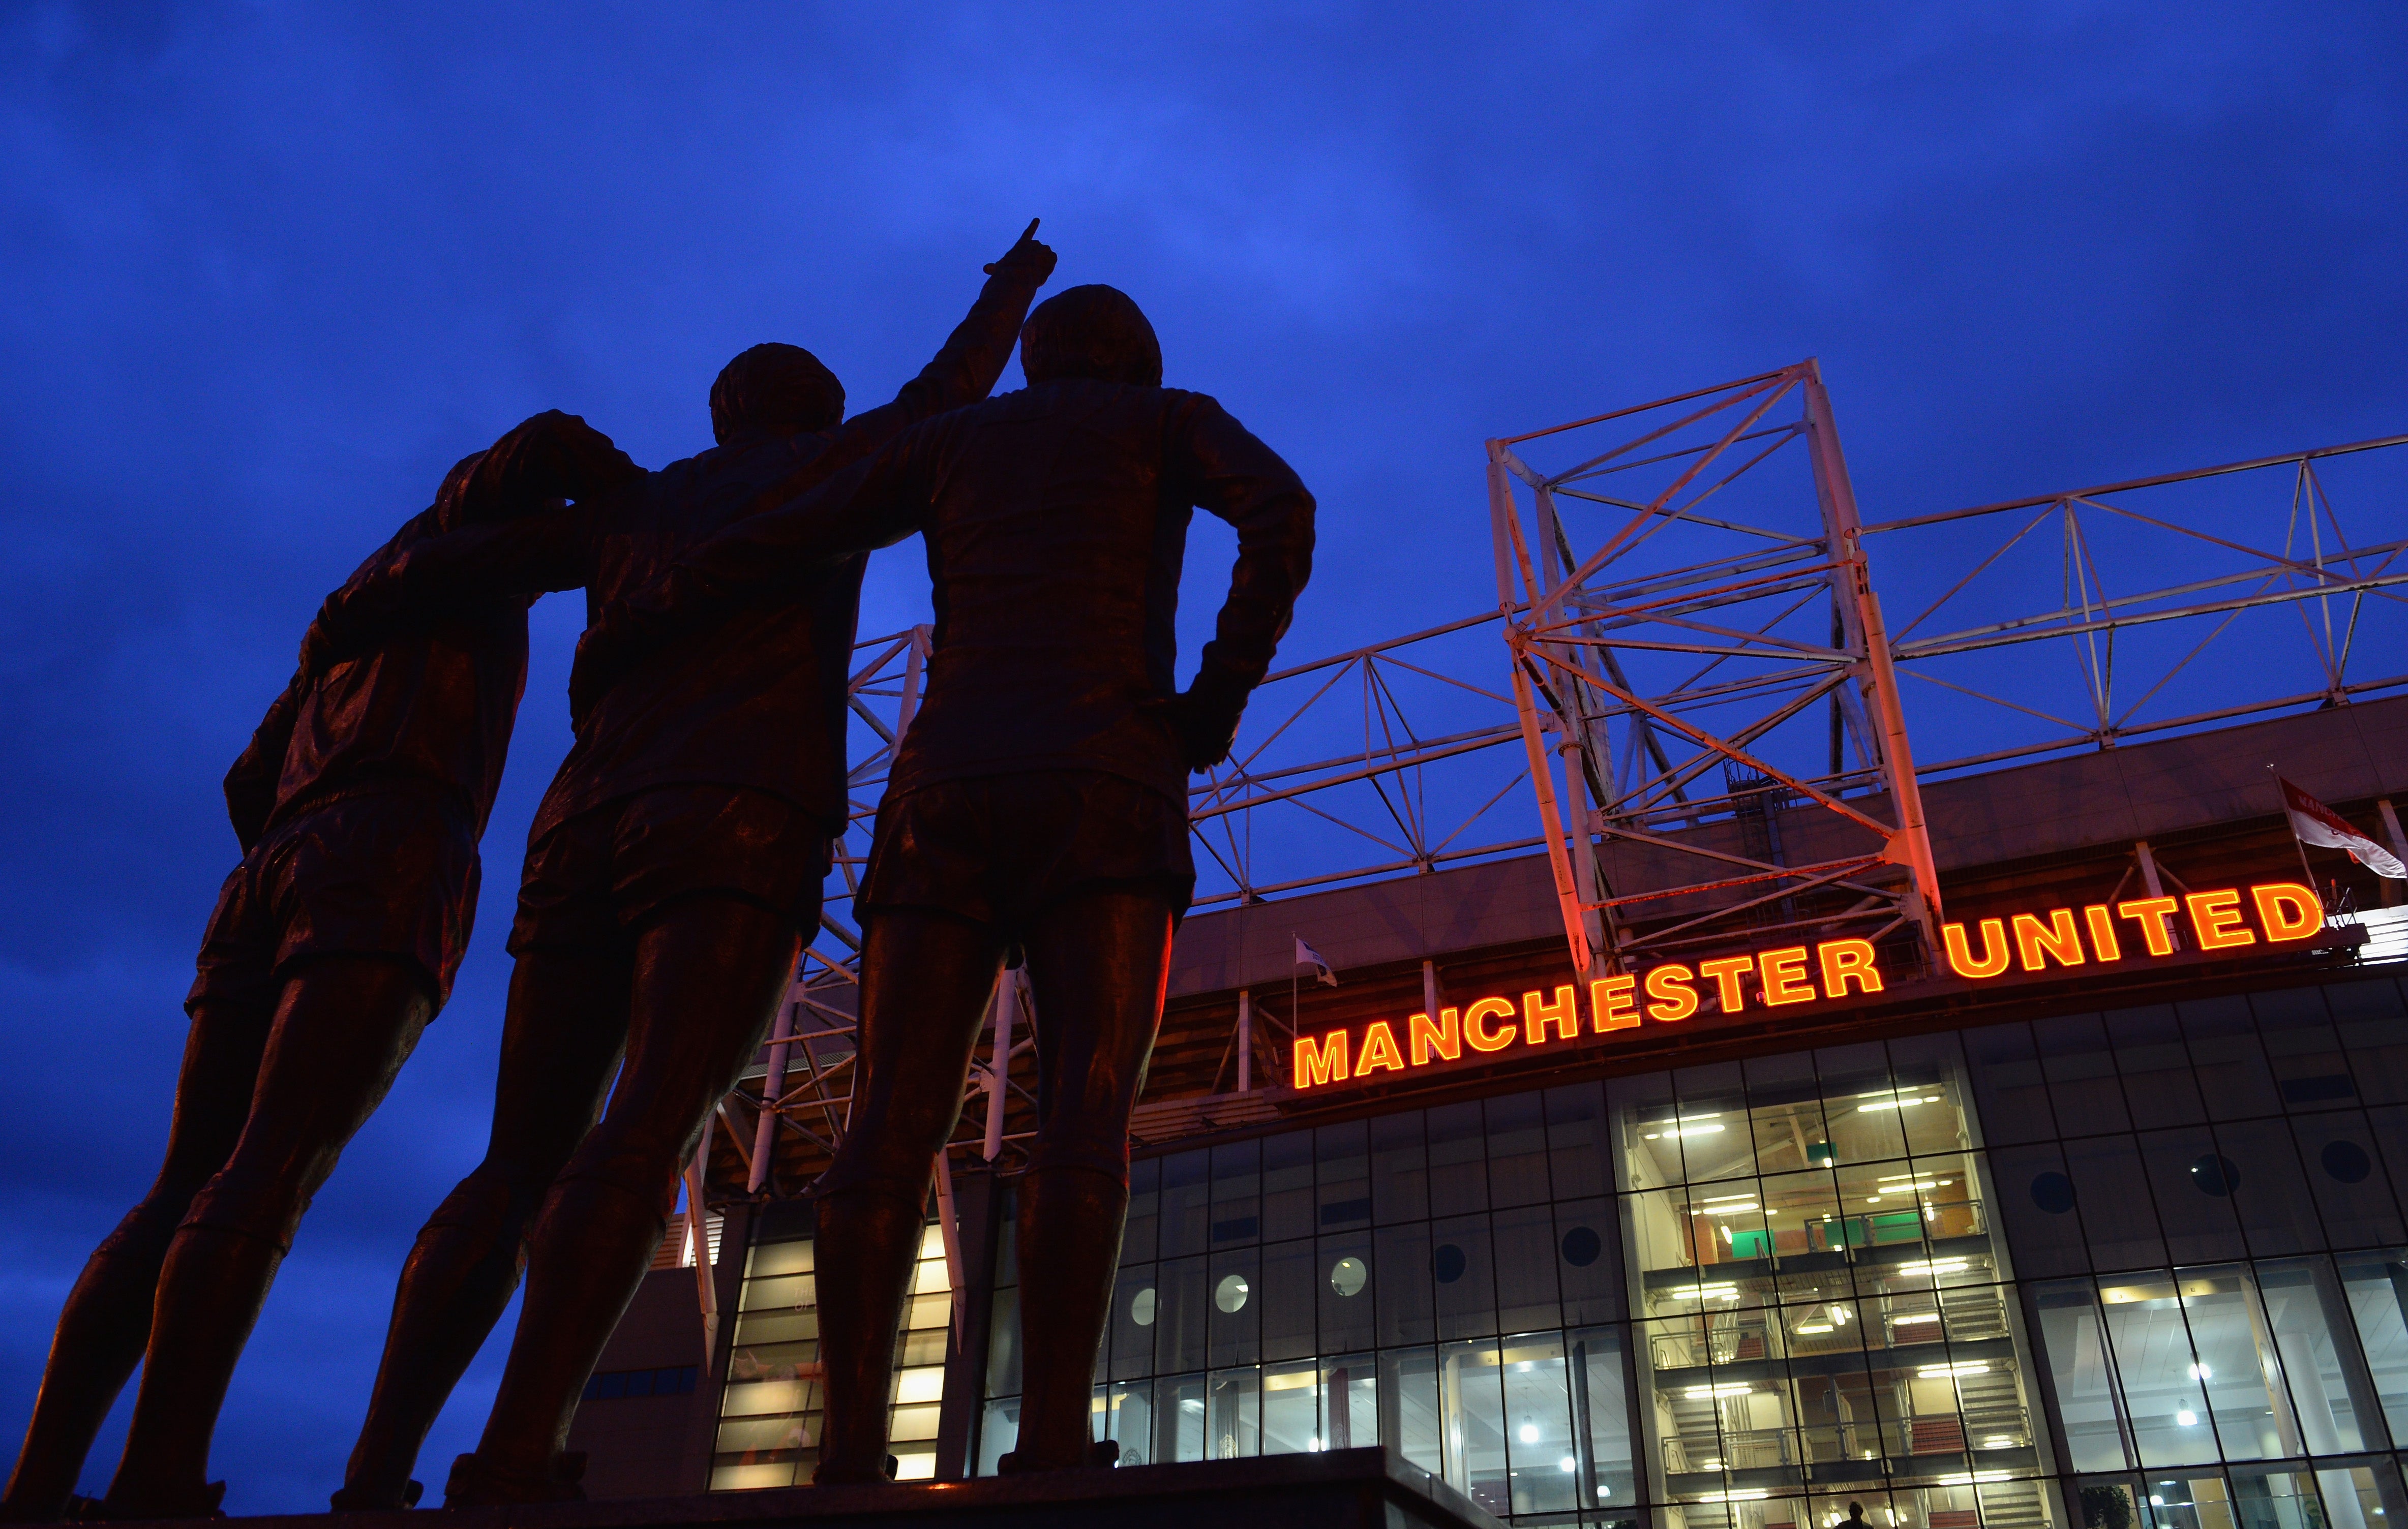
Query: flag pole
[[2292, 828], [1295, 1020]]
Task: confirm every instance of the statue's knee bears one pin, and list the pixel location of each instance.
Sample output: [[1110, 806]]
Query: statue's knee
[[250, 1200], [1090, 1152], [146, 1230], [481, 1202], [634, 1162]]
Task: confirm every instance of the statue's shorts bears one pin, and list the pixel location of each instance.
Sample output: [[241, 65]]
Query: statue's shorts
[[1002, 848], [388, 871], [602, 875]]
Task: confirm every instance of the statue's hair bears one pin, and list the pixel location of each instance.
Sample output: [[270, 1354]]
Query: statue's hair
[[1095, 332], [774, 390]]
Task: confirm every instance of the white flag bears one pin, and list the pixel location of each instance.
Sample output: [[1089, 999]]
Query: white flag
[[1306, 956], [2315, 824]]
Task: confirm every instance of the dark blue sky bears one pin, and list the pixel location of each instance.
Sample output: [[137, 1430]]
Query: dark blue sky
[[270, 269]]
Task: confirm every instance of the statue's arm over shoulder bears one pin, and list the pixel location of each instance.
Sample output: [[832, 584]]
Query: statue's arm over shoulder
[[251, 784], [531, 555], [1244, 481], [871, 505]]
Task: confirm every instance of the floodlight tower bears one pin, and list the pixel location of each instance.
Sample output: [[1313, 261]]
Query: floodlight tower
[[1780, 611]]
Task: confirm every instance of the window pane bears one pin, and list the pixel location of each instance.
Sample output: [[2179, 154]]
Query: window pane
[[1350, 1401], [1464, 1274], [1586, 1262], [2081, 1073], [2301, 1299], [2164, 1405], [2277, 1213], [1541, 1454], [1576, 1141], [1599, 1390], [1409, 1394], [1186, 1203], [1526, 1262], [1347, 1291], [2111, 1198], [1517, 1150], [1291, 1408], [2008, 1087], [2230, 1065], [1472, 1401], [2344, 1172], [1287, 1186], [1177, 1419], [1458, 1170], [1181, 1298], [2192, 1184], [1399, 1171], [1342, 1174], [1124, 1414], [1288, 1299], [2376, 1287], [1236, 1193], [2150, 1054], [1233, 1414]]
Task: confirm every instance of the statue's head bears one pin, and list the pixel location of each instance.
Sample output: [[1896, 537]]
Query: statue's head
[[1093, 332], [774, 390]]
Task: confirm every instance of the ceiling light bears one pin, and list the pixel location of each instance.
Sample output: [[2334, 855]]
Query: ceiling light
[[1942, 1372], [1728, 1388], [2186, 1418]]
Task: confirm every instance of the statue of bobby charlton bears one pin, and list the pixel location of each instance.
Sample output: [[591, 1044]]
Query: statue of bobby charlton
[[1039, 802], [358, 804], [673, 872]]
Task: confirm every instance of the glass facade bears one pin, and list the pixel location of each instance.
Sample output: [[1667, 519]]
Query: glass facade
[[2143, 1269], [770, 1411]]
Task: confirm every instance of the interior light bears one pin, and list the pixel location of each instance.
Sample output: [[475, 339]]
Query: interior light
[[1998, 1441], [2201, 1372], [1815, 1327], [1728, 1388], [1529, 1432], [1567, 1465], [1749, 1494], [2156, 1501], [1903, 1319], [1937, 1265], [1942, 1372], [2187, 1418]]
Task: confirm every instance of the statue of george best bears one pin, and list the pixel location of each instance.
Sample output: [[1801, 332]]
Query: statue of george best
[[1038, 804]]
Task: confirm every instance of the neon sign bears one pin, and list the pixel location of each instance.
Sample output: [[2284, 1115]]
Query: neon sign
[[1785, 976]]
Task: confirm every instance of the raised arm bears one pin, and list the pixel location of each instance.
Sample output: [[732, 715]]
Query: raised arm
[[965, 370], [1244, 481]]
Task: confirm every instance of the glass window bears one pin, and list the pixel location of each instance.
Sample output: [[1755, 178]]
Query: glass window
[[1181, 1301], [1576, 1141], [1459, 1169], [2328, 1383], [1400, 1170], [1129, 1337], [2111, 1198], [1290, 1407], [1346, 1292], [1123, 1414], [1517, 1150], [1465, 1276], [1234, 1318], [1603, 1420], [2375, 1286], [1236, 1193], [1178, 1418], [1408, 1291], [2081, 1073], [2344, 1172], [1409, 1394], [1526, 1259], [2008, 1086], [1138, 1234], [2035, 1197], [1350, 1401], [2226, 1059], [2193, 1183], [1288, 1299], [1542, 1454], [1471, 1398], [1186, 1203], [1233, 1414], [1586, 1265], [1342, 1176], [2270, 1196], [2367, 1018], [1287, 1186], [2155, 1066]]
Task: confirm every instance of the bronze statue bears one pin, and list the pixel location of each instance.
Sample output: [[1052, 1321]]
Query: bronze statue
[[358, 804], [1039, 802], [673, 873]]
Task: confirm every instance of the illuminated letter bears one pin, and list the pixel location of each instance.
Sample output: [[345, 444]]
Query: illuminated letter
[[2288, 910], [1444, 1037], [2152, 914], [1379, 1051], [1784, 976], [1669, 986], [1725, 973], [1482, 1038], [2102, 933], [1996, 951], [1321, 1063], [1609, 1005], [1564, 1014], [2216, 918], [2035, 940], [1845, 961]]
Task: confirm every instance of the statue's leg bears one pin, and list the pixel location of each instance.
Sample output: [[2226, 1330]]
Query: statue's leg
[[106, 1321], [344, 1025], [709, 973], [566, 1025], [926, 977], [1098, 963]]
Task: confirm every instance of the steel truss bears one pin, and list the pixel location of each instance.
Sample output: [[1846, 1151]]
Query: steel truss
[[1752, 639], [1707, 646]]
